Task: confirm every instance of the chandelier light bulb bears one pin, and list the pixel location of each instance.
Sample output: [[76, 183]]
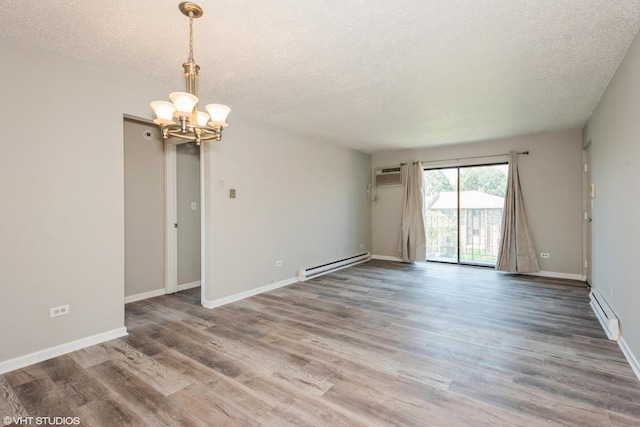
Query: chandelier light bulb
[[202, 118], [218, 113], [164, 112], [184, 102]]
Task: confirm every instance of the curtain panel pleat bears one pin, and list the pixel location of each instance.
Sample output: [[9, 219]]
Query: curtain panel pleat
[[413, 240], [516, 253]]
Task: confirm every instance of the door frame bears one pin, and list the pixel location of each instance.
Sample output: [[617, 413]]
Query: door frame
[[587, 200], [171, 214], [458, 167], [171, 218]]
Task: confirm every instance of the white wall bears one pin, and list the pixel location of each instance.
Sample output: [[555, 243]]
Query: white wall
[[551, 180], [614, 133], [62, 195]]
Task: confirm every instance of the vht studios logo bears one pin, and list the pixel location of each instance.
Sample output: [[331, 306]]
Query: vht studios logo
[[41, 421]]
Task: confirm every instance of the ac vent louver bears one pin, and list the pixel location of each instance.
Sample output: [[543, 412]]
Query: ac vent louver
[[385, 177]]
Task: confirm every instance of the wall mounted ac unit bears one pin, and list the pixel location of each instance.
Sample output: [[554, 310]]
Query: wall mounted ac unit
[[385, 177]]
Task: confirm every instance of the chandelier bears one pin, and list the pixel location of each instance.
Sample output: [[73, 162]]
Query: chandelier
[[181, 118]]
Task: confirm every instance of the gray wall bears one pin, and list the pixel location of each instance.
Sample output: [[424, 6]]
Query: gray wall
[[188, 191], [62, 193], [551, 179], [298, 200], [614, 133], [144, 207]]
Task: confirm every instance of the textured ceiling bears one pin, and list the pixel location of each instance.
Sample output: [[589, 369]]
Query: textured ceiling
[[371, 75]]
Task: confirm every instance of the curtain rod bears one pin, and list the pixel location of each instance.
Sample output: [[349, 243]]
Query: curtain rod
[[471, 157]]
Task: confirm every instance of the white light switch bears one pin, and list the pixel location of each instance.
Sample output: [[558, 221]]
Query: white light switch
[[194, 206]]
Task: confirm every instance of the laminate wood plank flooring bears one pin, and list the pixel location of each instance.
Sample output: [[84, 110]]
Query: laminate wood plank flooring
[[377, 344]]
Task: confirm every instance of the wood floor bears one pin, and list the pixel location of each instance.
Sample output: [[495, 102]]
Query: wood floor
[[377, 344]]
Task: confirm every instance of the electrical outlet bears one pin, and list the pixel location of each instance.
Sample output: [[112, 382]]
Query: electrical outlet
[[361, 245], [59, 311], [544, 255]]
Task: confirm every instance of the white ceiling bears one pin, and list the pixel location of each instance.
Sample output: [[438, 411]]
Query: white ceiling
[[372, 75]]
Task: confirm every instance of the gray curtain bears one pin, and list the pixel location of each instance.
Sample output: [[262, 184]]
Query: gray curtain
[[517, 252], [413, 241]]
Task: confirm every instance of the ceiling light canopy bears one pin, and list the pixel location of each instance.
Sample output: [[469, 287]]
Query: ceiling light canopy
[[180, 118]]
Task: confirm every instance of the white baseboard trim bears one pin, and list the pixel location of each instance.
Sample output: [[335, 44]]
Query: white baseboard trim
[[144, 295], [159, 292], [191, 285], [59, 350], [386, 258], [551, 274], [557, 275], [247, 294], [631, 358]]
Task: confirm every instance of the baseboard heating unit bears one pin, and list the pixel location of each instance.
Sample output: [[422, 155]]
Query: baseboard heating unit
[[605, 315], [318, 270]]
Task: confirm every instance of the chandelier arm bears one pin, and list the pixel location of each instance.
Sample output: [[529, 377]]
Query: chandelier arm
[[191, 137], [192, 131], [191, 126], [188, 137]]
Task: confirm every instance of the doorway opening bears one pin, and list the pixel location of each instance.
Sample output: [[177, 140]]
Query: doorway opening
[[184, 217], [464, 206], [188, 216], [165, 239]]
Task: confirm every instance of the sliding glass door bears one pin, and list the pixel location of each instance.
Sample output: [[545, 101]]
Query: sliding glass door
[[464, 213]]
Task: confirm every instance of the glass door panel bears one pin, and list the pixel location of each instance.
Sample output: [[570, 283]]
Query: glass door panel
[[441, 198], [482, 192]]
